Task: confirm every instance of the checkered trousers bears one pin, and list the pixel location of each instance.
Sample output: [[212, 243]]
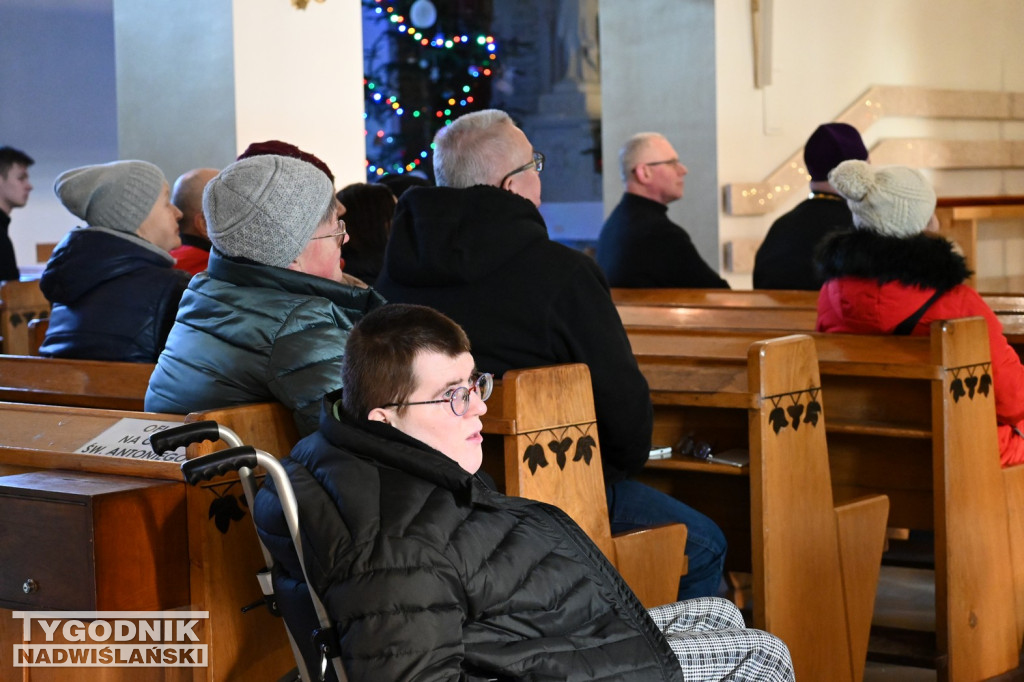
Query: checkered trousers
[[712, 644]]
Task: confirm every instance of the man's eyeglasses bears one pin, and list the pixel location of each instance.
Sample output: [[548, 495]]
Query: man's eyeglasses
[[339, 236], [674, 162], [458, 398], [538, 163]]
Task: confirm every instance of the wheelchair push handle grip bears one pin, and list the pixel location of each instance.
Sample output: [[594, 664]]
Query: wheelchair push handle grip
[[186, 434], [218, 463]]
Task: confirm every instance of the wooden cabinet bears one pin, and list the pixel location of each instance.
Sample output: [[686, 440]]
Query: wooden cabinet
[[82, 541]]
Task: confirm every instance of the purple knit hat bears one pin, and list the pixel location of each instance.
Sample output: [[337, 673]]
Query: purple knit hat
[[830, 145]]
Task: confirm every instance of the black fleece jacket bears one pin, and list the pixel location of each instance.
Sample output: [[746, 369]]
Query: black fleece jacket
[[482, 256]]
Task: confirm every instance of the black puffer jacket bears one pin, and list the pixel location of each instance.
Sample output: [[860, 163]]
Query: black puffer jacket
[[431, 575], [114, 296], [482, 256]]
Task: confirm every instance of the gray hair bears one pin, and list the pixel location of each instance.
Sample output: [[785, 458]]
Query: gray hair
[[473, 150], [631, 150]]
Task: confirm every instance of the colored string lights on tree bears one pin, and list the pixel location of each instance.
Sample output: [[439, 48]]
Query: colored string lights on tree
[[429, 80]]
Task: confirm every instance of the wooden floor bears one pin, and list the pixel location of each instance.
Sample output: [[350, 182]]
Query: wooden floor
[[906, 598]]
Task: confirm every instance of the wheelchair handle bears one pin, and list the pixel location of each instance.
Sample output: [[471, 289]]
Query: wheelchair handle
[[186, 434], [218, 463]]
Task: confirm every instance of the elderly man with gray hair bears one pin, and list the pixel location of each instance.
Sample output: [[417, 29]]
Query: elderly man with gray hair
[[639, 246], [269, 318], [477, 249]]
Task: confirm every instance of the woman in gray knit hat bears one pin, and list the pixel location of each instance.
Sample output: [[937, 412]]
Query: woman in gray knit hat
[[111, 284], [269, 318]]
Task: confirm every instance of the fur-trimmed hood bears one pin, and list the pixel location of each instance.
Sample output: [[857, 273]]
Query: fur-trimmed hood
[[923, 260]]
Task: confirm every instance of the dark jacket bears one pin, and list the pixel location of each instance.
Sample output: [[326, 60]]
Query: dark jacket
[[8, 262], [248, 333], [874, 282], [785, 259], [640, 247], [431, 575], [113, 296], [482, 256]]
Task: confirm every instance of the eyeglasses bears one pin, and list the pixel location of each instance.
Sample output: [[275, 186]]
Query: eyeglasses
[[339, 236], [458, 398], [674, 162], [538, 163]]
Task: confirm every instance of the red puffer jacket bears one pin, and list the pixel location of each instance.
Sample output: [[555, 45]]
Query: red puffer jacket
[[875, 282]]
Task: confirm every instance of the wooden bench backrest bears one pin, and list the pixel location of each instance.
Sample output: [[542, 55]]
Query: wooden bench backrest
[[267, 426], [894, 428], [763, 309], [782, 319], [717, 298], [556, 439], [79, 383], [20, 301]]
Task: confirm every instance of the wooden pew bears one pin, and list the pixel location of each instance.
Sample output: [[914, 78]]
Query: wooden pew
[[219, 567], [751, 310], [718, 298], [20, 302], [550, 452], [894, 428], [764, 299], [516, 416], [815, 564], [959, 219], [78, 383]]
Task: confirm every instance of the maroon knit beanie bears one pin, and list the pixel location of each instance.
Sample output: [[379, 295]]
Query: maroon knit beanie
[[279, 148]]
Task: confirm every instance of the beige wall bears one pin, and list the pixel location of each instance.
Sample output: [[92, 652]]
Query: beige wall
[[197, 81], [826, 53]]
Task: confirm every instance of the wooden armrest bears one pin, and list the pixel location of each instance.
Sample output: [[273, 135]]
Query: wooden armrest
[[861, 528], [651, 561]]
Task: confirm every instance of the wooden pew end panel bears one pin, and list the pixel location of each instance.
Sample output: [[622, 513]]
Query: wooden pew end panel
[[651, 561]]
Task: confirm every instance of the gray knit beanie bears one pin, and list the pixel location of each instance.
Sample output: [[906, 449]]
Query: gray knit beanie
[[117, 195], [893, 200], [266, 208]]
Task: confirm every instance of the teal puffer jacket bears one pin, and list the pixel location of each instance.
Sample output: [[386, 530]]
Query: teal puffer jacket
[[247, 332]]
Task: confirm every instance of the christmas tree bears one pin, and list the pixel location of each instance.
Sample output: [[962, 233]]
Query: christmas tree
[[426, 63]]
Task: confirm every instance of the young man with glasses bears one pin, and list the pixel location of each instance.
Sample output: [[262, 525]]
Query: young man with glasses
[[269, 318], [430, 574], [477, 249], [639, 246]]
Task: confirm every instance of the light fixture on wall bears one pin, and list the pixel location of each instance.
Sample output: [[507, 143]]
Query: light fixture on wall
[[301, 4]]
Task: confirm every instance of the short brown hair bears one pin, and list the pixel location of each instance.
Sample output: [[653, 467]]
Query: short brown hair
[[10, 156], [378, 364]]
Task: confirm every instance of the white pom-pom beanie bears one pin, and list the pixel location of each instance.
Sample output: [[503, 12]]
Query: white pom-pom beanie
[[892, 200]]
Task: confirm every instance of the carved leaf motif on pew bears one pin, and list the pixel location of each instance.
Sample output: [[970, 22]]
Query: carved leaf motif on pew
[[972, 383], [813, 409], [778, 420], [810, 412], [795, 411], [534, 457], [226, 507], [560, 447], [986, 384], [585, 449]]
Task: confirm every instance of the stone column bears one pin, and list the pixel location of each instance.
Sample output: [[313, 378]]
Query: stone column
[[198, 80]]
